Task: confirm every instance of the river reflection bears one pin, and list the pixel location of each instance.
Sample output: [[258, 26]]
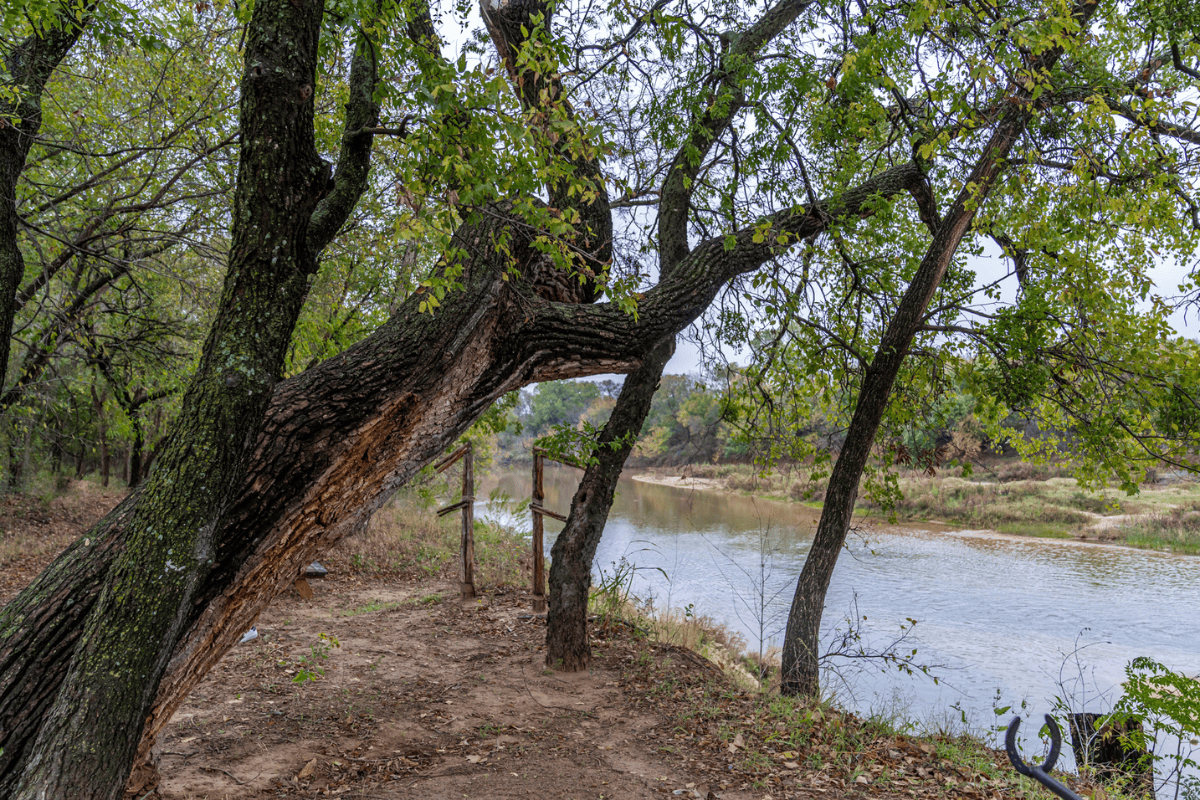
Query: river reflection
[[1001, 613]]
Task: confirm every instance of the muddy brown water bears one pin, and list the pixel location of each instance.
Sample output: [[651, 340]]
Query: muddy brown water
[[1008, 619]]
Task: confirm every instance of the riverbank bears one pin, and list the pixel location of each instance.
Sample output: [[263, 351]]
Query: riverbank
[[1018, 500], [385, 685], [421, 695]]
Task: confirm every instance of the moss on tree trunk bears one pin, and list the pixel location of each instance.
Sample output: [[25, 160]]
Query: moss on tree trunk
[[88, 737]]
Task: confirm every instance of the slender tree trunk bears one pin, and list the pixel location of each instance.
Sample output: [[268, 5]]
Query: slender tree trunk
[[800, 658], [19, 438], [136, 469], [148, 460], [105, 459], [567, 645], [14, 464], [133, 411], [28, 64]]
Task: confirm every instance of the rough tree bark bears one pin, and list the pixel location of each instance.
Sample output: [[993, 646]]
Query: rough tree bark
[[510, 23], [568, 647], [85, 733], [87, 738], [800, 658]]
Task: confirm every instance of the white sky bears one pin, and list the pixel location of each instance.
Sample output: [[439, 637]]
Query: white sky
[[1167, 279]]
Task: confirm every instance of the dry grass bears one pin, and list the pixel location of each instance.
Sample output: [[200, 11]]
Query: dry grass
[[612, 603], [1034, 508], [407, 538], [1010, 497], [1177, 529]]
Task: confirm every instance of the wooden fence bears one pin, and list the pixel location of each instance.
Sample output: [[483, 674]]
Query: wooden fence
[[536, 507], [466, 586]]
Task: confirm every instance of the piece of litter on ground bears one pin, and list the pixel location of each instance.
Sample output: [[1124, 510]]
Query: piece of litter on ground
[[315, 570], [249, 635]]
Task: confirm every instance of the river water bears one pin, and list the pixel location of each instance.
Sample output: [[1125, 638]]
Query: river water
[[1021, 619]]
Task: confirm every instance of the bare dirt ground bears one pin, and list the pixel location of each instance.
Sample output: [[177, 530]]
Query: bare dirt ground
[[415, 694], [33, 530], [420, 697]]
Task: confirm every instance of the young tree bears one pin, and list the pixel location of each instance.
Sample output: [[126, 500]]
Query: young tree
[[28, 64]]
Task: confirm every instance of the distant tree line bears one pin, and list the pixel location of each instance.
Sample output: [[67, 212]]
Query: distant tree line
[[723, 419]]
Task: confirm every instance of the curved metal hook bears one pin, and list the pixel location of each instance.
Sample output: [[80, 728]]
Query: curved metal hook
[[1039, 773]]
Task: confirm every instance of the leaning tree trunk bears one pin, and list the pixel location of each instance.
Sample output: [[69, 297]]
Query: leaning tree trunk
[[800, 658], [83, 747], [567, 645], [570, 573], [337, 440], [103, 622]]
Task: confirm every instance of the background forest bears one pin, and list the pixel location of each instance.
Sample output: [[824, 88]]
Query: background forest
[[716, 421]]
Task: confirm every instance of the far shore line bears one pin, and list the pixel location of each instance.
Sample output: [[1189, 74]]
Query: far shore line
[[913, 526]]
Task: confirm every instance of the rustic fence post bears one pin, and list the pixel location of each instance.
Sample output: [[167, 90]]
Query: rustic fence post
[[466, 586], [539, 510], [539, 553]]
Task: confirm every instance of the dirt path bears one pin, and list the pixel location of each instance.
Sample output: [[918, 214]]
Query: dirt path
[[421, 698]]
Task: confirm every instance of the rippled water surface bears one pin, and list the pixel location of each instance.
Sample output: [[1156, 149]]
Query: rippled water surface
[[1000, 613]]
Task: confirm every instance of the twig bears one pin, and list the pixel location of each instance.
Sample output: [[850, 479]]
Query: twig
[[226, 772]]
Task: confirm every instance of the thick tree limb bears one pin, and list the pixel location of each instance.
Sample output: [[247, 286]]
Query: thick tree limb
[[510, 23]]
